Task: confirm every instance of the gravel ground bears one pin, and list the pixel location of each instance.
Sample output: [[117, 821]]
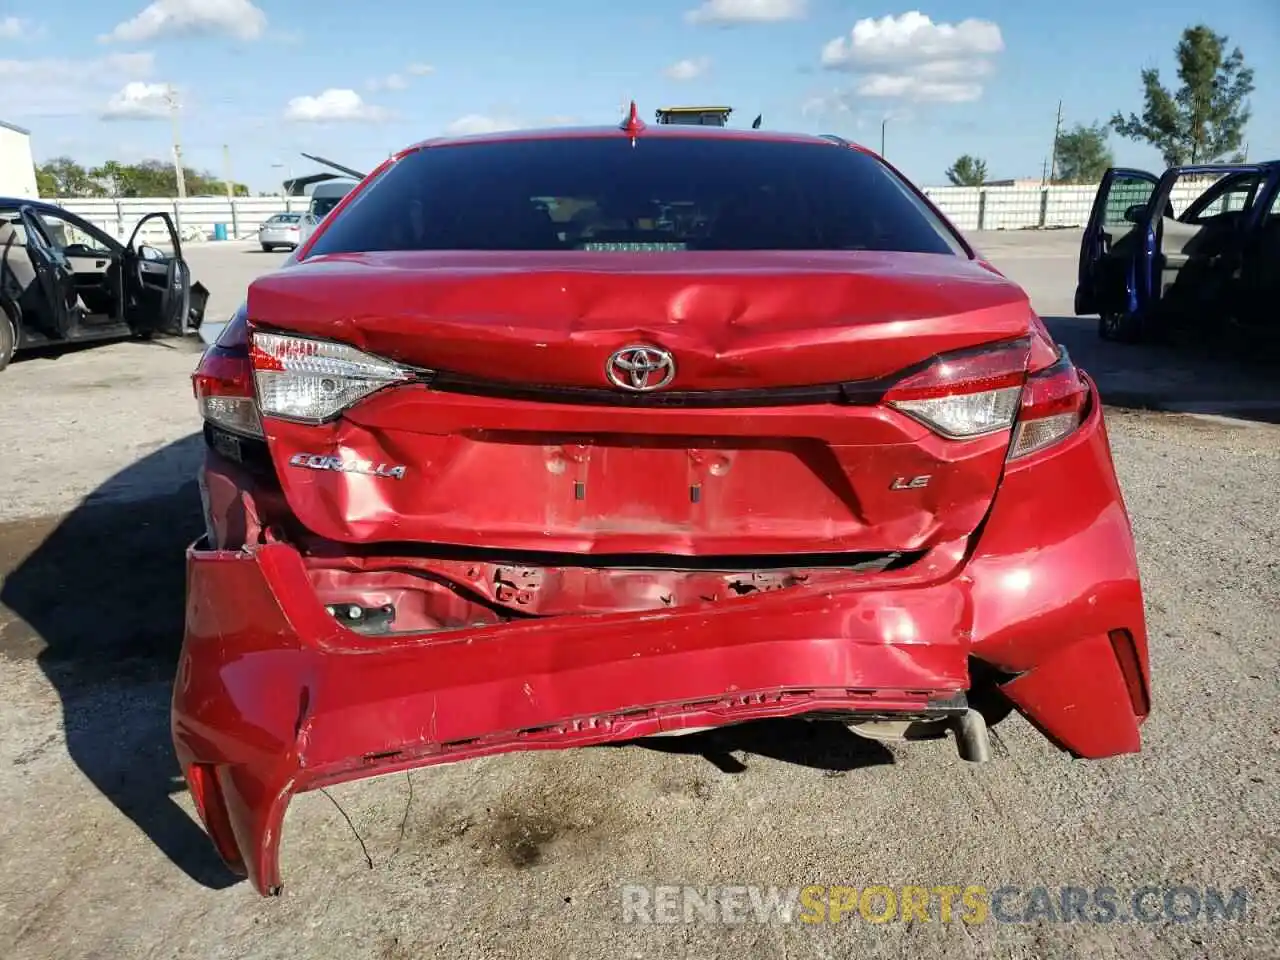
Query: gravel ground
[[81, 417], [524, 855]]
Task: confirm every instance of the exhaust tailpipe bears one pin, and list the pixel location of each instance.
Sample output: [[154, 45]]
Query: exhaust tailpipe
[[972, 740]]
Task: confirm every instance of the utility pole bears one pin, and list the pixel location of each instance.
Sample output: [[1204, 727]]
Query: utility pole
[[171, 98], [231, 193], [1057, 132], [226, 171], [883, 123]]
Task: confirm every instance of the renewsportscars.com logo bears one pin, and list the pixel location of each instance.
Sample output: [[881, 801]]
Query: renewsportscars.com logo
[[944, 903]]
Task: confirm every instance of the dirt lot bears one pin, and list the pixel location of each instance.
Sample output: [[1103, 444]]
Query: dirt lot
[[524, 856]]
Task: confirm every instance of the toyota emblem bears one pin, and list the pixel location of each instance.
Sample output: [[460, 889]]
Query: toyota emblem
[[641, 368]]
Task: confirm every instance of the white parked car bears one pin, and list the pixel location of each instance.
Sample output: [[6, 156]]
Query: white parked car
[[282, 230]]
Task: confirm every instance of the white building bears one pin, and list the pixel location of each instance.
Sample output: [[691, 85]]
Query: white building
[[17, 166]]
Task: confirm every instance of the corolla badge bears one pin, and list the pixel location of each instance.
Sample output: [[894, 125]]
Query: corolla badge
[[641, 368], [366, 468]]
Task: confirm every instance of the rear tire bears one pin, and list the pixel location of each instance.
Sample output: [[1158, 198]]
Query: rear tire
[[8, 336], [1120, 328], [267, 248]]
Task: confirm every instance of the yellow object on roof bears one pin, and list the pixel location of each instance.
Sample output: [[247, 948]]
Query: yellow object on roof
[[700, 116]]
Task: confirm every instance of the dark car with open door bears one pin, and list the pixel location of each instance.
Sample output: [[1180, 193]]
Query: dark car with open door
[[1156, 256], [64, 280]]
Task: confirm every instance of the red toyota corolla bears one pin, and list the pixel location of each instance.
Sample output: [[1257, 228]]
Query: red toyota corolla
[[559, 438]]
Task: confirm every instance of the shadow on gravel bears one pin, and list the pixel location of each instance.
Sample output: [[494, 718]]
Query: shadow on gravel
[[99, 600], [57, 351], [830, 747], [1203, 377]]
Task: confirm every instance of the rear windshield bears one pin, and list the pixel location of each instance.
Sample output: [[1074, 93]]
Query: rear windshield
[[321, 206], [662, 194], [285, 218]]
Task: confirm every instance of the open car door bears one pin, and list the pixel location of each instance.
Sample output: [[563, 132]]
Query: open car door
[[157, 287], [1200, 248], [1117, 247], [49, 304]]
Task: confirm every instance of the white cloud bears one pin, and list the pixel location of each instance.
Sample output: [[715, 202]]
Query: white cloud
[[400, 79], [912, 37], [138, 101], [333, 105], [479, 123], [747, 11], [910, 57], [830, 104], [61, 87], [687, 69], [16, 28], [392, 81], [918, 89], [235, 18], [955, 69], [849, 108]]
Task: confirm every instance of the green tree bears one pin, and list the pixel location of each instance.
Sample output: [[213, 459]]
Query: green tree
[[46, 183], [1205, 119], [63, 177], [156, 178], [1082, 154], [968, 171], [111, 176]]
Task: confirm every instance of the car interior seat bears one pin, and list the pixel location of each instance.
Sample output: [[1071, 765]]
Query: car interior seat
[[17, 273]]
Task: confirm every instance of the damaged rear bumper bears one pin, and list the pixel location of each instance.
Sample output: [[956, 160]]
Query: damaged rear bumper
[[274, 697]]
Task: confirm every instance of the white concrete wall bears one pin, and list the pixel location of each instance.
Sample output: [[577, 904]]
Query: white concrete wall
[[197, 216], [970, 208], [17, 168]]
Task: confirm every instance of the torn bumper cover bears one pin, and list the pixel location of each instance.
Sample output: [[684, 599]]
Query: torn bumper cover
[[274, 696]]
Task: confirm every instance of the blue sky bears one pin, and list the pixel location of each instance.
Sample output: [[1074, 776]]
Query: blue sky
[[353, 81]]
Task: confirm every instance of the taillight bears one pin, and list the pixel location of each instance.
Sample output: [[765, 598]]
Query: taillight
[[314, 380], [223, 382], [1054, 402], [974, 393], [966, 394]]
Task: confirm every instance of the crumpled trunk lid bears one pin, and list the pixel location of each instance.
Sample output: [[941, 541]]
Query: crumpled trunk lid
[[767, 441]]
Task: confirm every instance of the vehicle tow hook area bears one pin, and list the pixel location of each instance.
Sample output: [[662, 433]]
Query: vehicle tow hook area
[[363, 619]]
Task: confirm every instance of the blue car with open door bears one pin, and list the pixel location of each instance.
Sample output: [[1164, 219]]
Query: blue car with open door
[[1199, 244]]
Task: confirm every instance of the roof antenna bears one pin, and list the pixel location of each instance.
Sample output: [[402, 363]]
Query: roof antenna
[[633, 124], [755, 124]]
